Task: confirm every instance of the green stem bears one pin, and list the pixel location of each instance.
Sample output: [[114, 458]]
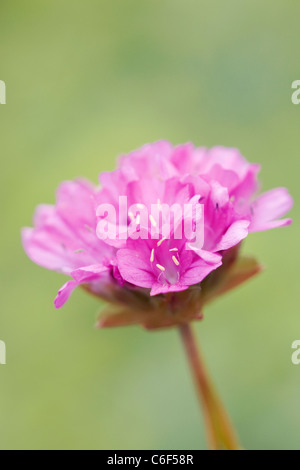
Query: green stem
[[220, 433]]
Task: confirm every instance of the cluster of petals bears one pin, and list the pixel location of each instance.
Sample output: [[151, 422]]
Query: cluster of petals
[[67, 237]]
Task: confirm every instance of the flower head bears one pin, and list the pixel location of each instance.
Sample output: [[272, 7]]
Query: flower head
[[161, 234]]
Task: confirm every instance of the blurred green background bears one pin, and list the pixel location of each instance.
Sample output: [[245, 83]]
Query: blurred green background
[[87, 81]]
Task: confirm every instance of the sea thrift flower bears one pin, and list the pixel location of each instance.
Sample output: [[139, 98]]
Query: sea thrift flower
[[148, 277], [159, 239]]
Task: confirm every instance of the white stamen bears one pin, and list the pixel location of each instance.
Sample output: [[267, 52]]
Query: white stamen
[[152, 256], [159, 266], [152, 220], [160, 241], [175, 260], [174, 249]]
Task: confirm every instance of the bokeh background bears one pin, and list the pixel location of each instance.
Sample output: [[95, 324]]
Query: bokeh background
[[87, 81]]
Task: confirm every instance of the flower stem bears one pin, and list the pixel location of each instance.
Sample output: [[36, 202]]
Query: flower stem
[[220, 433]]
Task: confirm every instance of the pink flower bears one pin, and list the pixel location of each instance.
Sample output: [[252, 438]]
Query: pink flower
[[131, 253]]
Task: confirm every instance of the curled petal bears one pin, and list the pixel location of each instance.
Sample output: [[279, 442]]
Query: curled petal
[[88, 274], [269, 207], [64, 293], [234, 234]]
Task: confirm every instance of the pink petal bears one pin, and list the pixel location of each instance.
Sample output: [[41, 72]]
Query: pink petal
[[88, 274], [198, 270], [234, 234], [228, 159], [43, 250], [158, 288], [134, 268], [208, 256], [270, 206], [64, 237], [64, 293]]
